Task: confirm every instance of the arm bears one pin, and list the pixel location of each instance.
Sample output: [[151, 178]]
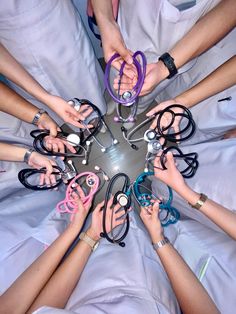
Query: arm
[[190, 293], [220, 215], [60, 286], [112, 40], [210, 29], [14, 104], [29, 284], [10, 68], [222, 78]]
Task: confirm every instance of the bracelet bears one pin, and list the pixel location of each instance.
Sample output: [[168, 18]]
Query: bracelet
[[27, 155], [200, 202], [38, 116], [169, 63], [161, 243]]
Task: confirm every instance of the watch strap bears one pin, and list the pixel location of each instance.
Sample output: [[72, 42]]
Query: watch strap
[[169, 63], [38, 116], [27, 155], [92, 243], [200, 202], [161, 243]]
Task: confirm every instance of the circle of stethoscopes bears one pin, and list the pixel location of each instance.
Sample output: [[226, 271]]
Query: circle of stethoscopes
[[159, 139], [127, 98], [80, 141]]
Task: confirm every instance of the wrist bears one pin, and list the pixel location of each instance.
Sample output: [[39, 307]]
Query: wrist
[[93, 234], [162, 70], [157, 236], [184, 100]]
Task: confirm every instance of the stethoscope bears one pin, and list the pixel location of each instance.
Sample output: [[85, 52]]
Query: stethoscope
[[154, 138], [167, 214], [91, 184], [123, 198], [25, 176], [82, 140], [128, 98]]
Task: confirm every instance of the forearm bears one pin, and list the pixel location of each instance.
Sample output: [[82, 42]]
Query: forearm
[[221, 216], [10, 68], [103, 11], [29, 284], [61, 285], [206, 32], [191, 295], [12, 153], [14, 104], [222, 78]]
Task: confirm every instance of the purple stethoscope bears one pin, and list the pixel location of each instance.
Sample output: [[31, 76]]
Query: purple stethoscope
[[90, 182], [130, 97]]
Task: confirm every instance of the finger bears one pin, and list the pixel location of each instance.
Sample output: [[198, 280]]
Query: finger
[[41, 179], [80, 192], [99, 207], [53, 130], [55, 147], [61, 146], [47, 180], [52, 179], [153, 124], [49, 168], [110, 202]]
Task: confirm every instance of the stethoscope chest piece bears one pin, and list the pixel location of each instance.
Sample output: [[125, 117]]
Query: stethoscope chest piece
[[122, 199], [90, 181], [73, 139]]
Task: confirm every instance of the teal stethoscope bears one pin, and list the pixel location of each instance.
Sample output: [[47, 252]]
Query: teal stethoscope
[[167, 214]]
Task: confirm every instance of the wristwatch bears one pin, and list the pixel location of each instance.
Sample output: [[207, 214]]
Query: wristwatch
[[92, 243], [200, 202], [161, 243], [38, 116], [27, 155], [169, 63]]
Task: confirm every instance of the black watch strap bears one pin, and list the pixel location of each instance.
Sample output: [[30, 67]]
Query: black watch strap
[[169, 63]]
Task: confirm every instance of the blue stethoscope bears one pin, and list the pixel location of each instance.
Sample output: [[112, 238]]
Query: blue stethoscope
[[168, 214]]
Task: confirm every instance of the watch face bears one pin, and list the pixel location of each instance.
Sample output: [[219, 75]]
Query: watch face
[[95, 246]]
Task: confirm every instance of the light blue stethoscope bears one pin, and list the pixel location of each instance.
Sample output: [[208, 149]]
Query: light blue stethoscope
[[167, 214]]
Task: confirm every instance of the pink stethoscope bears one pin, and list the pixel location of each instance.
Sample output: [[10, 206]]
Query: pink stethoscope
[[69, 205]]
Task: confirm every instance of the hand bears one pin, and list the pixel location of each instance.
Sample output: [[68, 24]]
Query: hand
[[167, 117], [47, 123], [170, 176], [79, 217], [66, 111], [155, 73], [112, 42], [58, 145], [38, 161], [150, 218], [96, 226]]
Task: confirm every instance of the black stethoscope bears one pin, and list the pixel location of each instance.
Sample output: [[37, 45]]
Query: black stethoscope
[[123, 197], [128, 98], [154, 138], [29, 176], [82, 140]]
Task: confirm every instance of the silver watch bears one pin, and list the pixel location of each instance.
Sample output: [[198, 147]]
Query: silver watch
[[161, 243], [38, 116], [27, 155]]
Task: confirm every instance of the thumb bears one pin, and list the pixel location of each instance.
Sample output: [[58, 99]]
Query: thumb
[[125, 54], [53, 130]]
